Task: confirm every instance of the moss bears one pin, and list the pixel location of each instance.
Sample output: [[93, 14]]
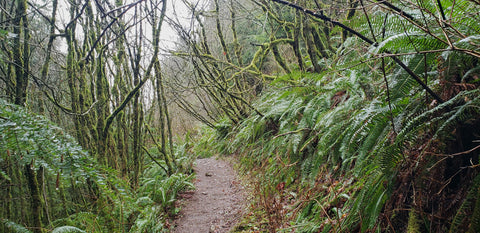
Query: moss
[[413, 222]]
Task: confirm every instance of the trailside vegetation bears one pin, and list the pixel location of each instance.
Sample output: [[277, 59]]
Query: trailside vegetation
[[368, 123]]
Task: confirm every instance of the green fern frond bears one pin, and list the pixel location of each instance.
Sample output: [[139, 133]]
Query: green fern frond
[[251, 129], [407, 42], [389, 157], [313, 111], [462, 13], [475, 222], [368, 202], [471, 74], [14, 227], [377, 135], [4, 176], [440, 113], [144, 201], [460, 114], [462, 215], [68, 229], [150, 220]]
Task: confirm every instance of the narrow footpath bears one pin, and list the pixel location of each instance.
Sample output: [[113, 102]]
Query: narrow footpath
[[217, 203]]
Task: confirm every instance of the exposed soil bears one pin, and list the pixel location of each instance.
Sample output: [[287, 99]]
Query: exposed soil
[[217, 203]]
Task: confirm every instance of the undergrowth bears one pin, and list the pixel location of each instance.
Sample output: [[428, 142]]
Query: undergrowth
[[76, 196], [360, 146], [330, 160]]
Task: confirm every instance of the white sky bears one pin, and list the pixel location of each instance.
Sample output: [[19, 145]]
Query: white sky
[[168, 35]]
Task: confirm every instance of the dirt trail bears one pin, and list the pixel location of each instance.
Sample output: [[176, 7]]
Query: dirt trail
[[217, 203]]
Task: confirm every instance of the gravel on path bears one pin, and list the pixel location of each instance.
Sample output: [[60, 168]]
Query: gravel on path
[[217, 203]]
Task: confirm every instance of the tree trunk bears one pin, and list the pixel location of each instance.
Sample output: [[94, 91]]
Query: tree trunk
[[297, 34], [311, 48], [21, 52], [162, 112], [36, 198]]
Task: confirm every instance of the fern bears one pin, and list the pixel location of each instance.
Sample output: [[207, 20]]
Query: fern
[[460, 114], [314, 141], [5, 176], [14, 227], [462, 216], [463, 14], [150, 220], [447, 114], [470, 74], [68, 229], [369, 201], [407, 42], [475, 222], [164, 190]]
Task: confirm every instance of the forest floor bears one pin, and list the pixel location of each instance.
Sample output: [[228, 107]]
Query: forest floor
[[218, 202]]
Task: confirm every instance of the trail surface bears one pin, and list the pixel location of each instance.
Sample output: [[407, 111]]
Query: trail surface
[[217, 203]]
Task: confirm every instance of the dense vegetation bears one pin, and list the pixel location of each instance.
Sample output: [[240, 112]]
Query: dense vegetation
[[346, 116], [49, 181], [82, 65], [369, 121]]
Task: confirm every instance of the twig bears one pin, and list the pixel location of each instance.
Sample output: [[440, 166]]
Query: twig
[[452, 155], [464, 152], [448, 181]]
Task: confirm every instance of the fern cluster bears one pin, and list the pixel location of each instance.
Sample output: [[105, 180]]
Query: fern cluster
[[77, 197], [366, 123]]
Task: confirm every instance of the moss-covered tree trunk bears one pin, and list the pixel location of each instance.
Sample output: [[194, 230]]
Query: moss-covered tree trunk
[[278, 57], [165, 134], [350, 13], [236, 45], [297, 34], [119, 91], [162, 118], [80, 93], [311, 47], [137, 124], [71, 72], [220, 32], [21, 51], [102, 110], [319, 42], [36, 203]]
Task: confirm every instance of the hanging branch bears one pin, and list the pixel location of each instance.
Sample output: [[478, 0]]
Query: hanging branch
[[396, 9], [364, 38], [441, 10]]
